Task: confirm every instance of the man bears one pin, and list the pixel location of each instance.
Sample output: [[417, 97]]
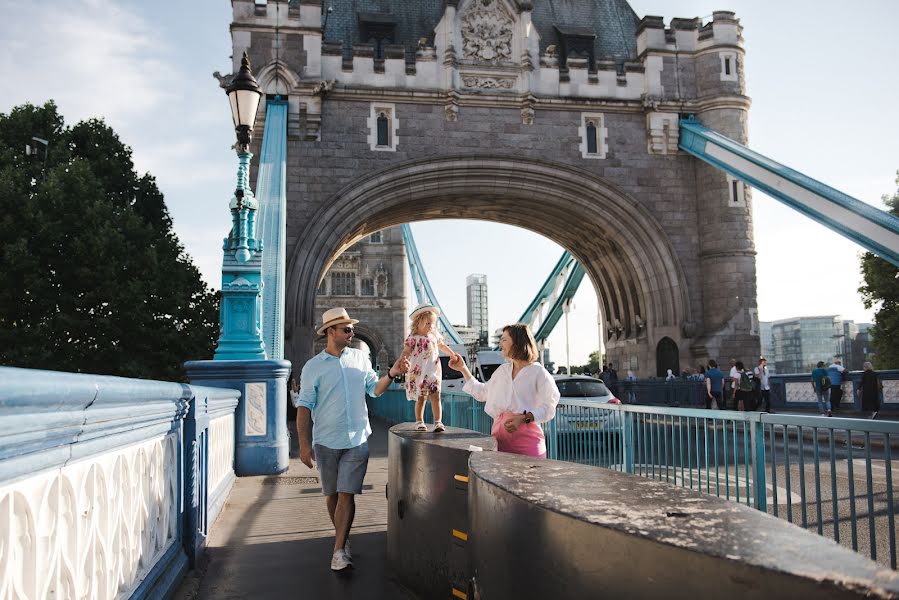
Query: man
[[761, 377], [821, 387], [837, 375], [714, 380], [332, 398]]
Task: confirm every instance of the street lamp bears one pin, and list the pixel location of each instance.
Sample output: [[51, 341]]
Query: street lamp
[[240, 337], [244, 95]]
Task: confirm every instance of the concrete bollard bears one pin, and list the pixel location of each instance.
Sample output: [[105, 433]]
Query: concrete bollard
[[427, 516]]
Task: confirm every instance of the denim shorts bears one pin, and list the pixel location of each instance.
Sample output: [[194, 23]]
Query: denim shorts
[[342, 469]]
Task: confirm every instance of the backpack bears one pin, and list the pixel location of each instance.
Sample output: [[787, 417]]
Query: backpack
[[825, 383], [745, 382]]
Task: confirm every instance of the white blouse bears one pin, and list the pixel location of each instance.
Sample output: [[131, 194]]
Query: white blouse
[[533, 389]]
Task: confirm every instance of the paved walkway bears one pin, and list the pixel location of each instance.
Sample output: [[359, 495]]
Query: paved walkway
[[274, 539]]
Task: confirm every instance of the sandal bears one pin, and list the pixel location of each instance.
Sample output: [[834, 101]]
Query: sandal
[[420, 426], [438, 427]]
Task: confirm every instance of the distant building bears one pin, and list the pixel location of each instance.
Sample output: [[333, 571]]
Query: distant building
[[796, 345], [476, 298]]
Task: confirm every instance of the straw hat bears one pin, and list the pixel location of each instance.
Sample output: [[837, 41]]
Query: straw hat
[[335, 316], [424, 307]]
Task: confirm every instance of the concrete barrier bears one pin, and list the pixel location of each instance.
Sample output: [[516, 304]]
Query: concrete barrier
[[549, 529], [427, 516]]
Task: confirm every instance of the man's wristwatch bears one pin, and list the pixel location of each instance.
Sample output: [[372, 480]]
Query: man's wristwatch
[[528, 419]]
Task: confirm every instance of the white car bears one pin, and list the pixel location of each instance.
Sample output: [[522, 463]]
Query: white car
[[580, 406]]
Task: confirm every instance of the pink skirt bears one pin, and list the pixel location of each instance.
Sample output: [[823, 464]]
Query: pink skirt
[[527, 439]]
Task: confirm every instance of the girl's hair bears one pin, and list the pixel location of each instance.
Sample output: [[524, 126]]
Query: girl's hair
[[414, 323], [524, 347]]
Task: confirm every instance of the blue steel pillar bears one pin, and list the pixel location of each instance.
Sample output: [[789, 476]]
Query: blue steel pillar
[[261, 446]]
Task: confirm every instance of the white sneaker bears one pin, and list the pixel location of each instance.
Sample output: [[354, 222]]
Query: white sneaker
[[346, 550], [340, 561]]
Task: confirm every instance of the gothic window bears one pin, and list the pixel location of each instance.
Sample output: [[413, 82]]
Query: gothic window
[[383, 132], [729, 66], [591, 137], [382, 127], [343, 283], [382, 286], [736, 192], [594, 136], [368, 287], [375, 238]]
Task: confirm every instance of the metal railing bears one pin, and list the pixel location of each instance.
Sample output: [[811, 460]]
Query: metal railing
[[830, 475]]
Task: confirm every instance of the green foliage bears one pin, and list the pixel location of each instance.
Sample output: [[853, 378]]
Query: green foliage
[[881, 290], [593, 364], [96, 280]]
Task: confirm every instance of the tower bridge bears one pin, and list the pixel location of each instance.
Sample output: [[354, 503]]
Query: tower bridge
[[381, 113]]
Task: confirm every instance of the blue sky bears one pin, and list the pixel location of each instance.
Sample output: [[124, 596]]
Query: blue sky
[[823, 79]]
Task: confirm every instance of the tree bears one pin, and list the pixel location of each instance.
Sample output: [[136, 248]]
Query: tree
[[881, 290], [96, 280], [593, 364]]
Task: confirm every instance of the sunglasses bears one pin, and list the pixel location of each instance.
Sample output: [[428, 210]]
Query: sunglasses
[[347, 330]]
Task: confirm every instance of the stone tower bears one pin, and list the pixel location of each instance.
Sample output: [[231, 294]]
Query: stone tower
[[368, 279], [559, 117]]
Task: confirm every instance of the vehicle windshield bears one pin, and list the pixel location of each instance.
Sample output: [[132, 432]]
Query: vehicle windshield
[[581, 388], [449, 373], [488, 371]]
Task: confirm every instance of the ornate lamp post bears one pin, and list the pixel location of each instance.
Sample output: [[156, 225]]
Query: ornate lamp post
[[260, 420], [241, 313]]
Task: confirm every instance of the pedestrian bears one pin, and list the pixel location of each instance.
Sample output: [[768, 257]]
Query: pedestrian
[[424, 375], [332, 400], [714, 382], [742, 384], [762, 384], [837, 374], [519, 396], [670, 377], [729, 399], [612, 382], [870, 390], [631, 387], [821, 387]]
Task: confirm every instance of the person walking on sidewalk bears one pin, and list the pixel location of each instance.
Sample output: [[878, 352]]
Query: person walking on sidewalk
[[836, 372], [332, 400], [761, 382], [870, 390], [714, 380], [821, 387]]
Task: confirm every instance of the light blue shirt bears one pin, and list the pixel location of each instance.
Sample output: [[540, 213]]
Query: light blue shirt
[[334, 390]]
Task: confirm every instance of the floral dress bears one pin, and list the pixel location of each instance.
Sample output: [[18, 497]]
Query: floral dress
[[424, 374]]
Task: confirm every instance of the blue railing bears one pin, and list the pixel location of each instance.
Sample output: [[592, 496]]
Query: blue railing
[[108, 485], [832, 475]]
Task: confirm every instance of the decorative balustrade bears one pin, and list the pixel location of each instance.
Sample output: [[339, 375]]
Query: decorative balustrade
[[94, 479]]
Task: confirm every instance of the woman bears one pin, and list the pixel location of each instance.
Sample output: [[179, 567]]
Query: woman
[[519, 395], [870, 390]]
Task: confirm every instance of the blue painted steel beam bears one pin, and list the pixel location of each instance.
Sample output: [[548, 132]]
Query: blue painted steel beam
[[546, 289], [871, 228], [555, 312], [271, 192], [423, 290]]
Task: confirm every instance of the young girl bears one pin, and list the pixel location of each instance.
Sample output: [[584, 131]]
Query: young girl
[[423, 377]]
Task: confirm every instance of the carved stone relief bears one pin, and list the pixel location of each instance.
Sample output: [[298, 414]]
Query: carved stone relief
[[255, 415], [486, 32], [488, 83]]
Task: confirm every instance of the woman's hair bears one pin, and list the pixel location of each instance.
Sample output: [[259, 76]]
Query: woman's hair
[[739, 365], [524, 347]]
